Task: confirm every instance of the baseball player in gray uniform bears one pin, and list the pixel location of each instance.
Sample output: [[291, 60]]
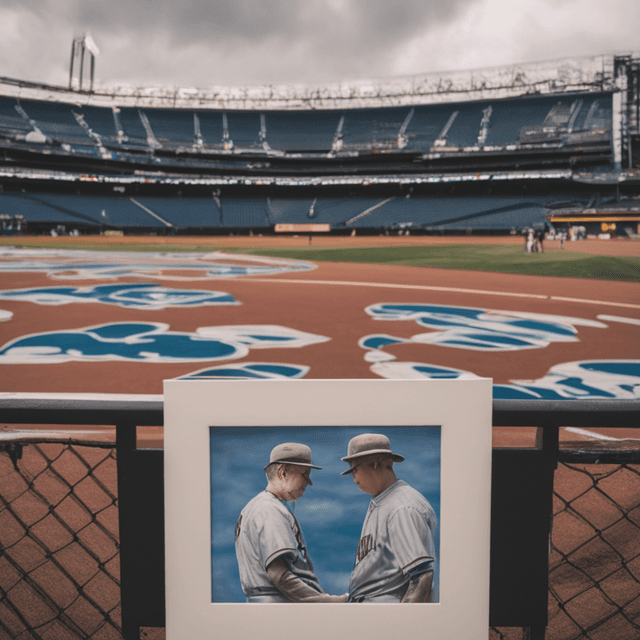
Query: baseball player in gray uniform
[[272, 557], [396, 553]]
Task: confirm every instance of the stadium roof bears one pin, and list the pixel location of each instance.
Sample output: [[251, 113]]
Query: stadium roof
[[595, 73]]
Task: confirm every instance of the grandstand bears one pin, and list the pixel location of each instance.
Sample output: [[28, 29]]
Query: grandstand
[[483, 151]]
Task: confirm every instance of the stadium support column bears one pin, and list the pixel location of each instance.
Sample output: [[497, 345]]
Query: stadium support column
[[619, 124], [73, 55]]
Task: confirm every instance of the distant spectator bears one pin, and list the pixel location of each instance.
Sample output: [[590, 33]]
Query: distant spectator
[[528, 247]]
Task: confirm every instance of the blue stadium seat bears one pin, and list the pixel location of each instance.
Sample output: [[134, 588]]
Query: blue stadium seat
[[117, 211], [172, 128], [337, 211], [135, 135], [211, 129], [245, 212], [33, 209], [425, 126], [508, 117], [101, 121], [244, 130], [297, 131], [465, 129], [57, 122], [184, 212], [12, 124], [366, 129], [290, 211], [480, 212]]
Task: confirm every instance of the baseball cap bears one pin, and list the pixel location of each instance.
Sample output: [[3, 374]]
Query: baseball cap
[[292, 453], [366, 444]]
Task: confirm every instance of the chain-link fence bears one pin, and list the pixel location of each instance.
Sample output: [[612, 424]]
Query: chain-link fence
[[59, 562], [59, 557], [595, 553]]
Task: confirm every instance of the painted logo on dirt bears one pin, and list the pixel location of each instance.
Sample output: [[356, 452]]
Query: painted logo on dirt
[[469, 328], [249, 371], [490, 330], [150, 342], [133, 296], [566, 381], [61, 264]]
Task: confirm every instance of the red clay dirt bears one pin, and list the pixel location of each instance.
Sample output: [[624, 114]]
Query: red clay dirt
[[331, 301]]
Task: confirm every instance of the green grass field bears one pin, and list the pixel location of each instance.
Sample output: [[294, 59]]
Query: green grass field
[[504, 259], [497, 258]]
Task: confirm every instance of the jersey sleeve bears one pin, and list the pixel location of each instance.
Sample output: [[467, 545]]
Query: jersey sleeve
[[411, 538], [276, 535]]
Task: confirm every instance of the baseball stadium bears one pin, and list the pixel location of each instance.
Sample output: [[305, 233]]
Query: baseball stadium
[[458, 225]]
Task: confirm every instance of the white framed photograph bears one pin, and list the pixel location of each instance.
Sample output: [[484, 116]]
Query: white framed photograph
[[327, 492]]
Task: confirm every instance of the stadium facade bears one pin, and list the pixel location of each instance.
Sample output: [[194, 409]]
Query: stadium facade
[[488, 151]]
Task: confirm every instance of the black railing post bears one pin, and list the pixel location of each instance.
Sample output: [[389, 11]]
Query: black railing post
[[126, 439]]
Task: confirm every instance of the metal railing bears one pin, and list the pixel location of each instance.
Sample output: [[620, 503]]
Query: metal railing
[[81, 523]]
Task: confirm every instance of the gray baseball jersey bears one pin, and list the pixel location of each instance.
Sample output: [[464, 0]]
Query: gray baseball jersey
[[267, 530], [397, 537]]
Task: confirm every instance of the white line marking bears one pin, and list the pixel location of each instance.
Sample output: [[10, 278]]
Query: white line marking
[[596, 436], [419, 287], [618, 319], [589, 434]]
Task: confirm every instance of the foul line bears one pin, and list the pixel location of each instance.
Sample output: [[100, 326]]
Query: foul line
[[594, 435], [420, 287]]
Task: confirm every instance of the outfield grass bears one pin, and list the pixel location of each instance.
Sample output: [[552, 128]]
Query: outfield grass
[[497, 257], [503, 259]]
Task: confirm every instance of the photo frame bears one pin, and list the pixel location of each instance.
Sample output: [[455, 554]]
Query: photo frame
[[218, 437]]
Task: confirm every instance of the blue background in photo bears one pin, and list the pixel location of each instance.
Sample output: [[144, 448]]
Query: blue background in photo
[[330, 513]]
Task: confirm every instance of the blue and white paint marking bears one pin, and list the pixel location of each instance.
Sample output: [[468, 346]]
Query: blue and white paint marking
[[63, 264], [150, 342], [470, 328], [582, 379], [249, 371], [486, 330], [589, 379], [5, 315], [148, 296]]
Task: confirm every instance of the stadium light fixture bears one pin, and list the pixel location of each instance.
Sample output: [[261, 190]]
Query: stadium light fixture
[[78, 48]]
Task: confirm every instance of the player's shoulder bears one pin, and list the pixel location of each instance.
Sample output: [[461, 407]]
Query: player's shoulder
[[408, 497], [264, 504]]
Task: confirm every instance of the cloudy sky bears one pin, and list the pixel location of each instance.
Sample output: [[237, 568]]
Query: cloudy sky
[[221, 42]]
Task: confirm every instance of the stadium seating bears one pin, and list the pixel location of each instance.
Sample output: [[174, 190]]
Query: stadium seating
[[245, 212], [350, 165], [479, 212], [528, 121], [355, 212], [426, 125], [301, 131], [184, 212]]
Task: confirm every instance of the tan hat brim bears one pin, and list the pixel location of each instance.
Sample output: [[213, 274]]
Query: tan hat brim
[[396, 457], [298, 464]]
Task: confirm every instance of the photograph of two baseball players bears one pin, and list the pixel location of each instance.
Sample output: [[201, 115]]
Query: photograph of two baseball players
[[395, 558]]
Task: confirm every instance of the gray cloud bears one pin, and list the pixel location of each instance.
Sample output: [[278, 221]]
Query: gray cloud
[[287, 41], [253, 21], [341, 38]]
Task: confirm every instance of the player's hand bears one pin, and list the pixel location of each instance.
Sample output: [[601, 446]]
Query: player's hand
[[342, 598]]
